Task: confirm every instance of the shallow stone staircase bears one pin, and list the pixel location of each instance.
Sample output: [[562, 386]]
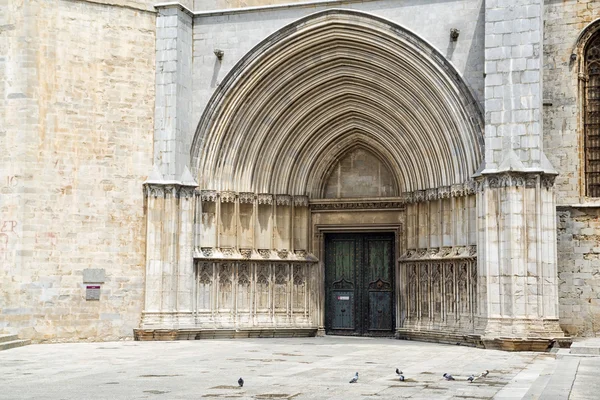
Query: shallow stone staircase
[[11, 341]]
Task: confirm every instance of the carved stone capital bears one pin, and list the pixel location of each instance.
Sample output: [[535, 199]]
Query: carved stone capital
[[457, 190], [246, 253], [419, 196], [547, 181], [283, 254], [207, 251], [431, 194], [209, 196], [264, 253], [265, 198], [407, 197], [283, 200], [153, 190], [444, 192], [186, 192], [227, 251], [471, 187], [246, 197], [228, 196], [301, 201]]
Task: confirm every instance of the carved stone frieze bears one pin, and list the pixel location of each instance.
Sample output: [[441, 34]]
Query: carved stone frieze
[[357, 205], [301, 201], [265, 198], [207, 251], [228, 196], [246, 197], [283, 200], [209, 196], [435, 253], [516, 179]]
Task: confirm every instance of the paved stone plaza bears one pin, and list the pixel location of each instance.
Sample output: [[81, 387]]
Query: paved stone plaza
[[307, 368]]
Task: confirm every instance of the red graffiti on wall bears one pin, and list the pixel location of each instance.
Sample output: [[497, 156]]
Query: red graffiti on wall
[[8, 227]]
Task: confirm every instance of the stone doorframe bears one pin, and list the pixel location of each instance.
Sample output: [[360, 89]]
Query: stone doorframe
[[318, 232]]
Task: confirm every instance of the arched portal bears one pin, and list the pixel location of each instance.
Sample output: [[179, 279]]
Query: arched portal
[[323, 83], [334, 165]]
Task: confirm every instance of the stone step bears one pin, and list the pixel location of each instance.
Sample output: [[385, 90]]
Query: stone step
[[13, 343], [8, 338], [589, 346]]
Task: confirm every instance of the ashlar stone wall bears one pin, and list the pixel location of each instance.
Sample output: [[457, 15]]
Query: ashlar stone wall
[[76, 111], [578, 217]]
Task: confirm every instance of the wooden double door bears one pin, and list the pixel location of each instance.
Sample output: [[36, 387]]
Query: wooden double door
[[359, 282]]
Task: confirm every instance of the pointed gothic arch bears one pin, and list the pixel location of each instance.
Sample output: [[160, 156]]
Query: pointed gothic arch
[[310, 90]]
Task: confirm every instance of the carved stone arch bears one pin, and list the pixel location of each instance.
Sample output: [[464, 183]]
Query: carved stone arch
[[322, 78]]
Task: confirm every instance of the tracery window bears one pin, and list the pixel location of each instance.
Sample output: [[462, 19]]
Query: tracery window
[[592, 118]]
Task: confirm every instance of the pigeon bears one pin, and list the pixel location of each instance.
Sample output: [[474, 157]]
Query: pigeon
[[470, 378], [401, 378], [241, 382], [484, 374], [448, 377], [398, 372], [355, 379]]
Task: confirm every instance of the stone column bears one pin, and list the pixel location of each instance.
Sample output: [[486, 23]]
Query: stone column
[[517, 280], [185, 259]]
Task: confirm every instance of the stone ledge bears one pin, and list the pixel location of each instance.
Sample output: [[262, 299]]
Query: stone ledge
[[197, 334]]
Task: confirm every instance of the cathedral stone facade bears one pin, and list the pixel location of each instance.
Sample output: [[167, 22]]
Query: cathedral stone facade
[[220, 168]]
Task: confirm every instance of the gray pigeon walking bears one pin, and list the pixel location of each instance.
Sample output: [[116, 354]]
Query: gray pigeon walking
[[398, 372], [470, 378], [401, 377], [355, 379], [241, 382], [448, 377]]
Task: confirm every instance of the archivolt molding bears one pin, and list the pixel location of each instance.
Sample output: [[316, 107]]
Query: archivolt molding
[[328, 83]]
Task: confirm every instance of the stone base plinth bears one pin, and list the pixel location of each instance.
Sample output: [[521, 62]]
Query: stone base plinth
[[197, 334], [518, 344], [439, 337]]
